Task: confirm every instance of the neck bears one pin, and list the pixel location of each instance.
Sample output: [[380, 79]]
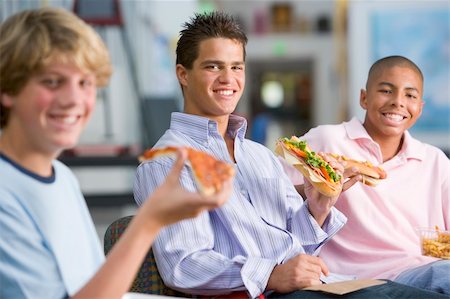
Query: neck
[[21, 154], [222, 124], [390, 147]]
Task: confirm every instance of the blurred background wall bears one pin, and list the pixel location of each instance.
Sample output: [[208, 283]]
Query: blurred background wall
[[306, 63]]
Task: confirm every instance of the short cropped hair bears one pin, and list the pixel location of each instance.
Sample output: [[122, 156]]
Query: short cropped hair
[[205, 26], [389, 62], [31, 39]]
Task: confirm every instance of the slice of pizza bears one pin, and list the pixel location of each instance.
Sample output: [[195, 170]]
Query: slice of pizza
[[209, 173]]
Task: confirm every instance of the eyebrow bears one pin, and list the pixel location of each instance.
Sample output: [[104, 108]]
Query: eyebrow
[[393, 86], [220, 62]]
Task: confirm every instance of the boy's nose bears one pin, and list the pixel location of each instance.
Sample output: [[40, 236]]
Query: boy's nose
[[225, 76], [399, 100], [72, 94]]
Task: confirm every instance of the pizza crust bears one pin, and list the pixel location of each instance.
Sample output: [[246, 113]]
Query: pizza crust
[[208, 172]]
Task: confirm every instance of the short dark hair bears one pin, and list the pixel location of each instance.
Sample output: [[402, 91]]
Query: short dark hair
[[205, 26], [392, 61]]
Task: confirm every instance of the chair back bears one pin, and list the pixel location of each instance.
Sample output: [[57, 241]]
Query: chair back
[[147, 280]]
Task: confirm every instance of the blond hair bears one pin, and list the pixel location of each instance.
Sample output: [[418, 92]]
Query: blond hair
[[31, 39]]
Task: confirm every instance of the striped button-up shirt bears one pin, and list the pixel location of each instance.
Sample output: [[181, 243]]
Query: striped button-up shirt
[[235, 247]]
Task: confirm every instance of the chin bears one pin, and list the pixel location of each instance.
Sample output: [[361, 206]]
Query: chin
[[66, 143]]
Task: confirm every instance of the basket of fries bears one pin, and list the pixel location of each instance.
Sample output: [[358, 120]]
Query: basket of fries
[[435, 242]]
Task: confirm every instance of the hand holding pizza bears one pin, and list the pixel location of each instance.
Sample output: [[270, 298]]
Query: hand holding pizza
[[209, 173], [171, 202]]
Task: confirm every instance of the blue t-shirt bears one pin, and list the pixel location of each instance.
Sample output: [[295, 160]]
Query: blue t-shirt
[[48, 244]]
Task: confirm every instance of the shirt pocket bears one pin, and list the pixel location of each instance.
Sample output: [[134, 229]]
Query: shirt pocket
[[268, 196]]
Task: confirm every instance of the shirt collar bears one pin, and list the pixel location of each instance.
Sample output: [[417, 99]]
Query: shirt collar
[[355, 130], [411, 148], [237, 127], [201, 128]]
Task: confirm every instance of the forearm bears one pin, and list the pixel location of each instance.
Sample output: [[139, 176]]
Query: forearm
[[319, 217], [310, 233], [118, 272]]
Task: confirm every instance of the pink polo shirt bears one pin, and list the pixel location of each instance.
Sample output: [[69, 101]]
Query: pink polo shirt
[[379, 239]]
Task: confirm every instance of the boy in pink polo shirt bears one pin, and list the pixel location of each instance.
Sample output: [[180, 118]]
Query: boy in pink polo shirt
[[380, 238]]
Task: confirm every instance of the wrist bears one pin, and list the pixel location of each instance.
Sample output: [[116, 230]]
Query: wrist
[[319, 212], [149, 223]]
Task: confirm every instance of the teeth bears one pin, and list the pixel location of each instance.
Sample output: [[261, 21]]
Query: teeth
[[68, 120], [394, 117], [225, 92]]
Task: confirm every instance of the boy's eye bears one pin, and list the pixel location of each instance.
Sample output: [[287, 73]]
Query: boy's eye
[[385, 91], [86, 83], [411, 96], [213, 67], [51, 82]]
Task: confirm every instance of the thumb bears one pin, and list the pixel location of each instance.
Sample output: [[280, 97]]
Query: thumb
[[175, 172]]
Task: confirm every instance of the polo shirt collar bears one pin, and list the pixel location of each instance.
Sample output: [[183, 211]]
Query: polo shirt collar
[[411, 148], [355, 130]]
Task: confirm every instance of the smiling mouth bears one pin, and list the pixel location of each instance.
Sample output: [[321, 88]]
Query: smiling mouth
[[227, 92], [394, 117], [66, 120]]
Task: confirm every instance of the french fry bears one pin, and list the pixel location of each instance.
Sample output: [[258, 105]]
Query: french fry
[[436, 243]]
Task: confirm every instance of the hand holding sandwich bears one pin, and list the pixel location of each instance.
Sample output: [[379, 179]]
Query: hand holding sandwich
[[320, 204], [366, 172], [327, 175]]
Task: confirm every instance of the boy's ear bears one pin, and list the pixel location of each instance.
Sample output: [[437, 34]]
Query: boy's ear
[[6, 100], [363, 99], [181, 74]]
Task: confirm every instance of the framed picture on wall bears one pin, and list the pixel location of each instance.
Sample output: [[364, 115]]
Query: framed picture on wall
[[99, 12], [418, 30]]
